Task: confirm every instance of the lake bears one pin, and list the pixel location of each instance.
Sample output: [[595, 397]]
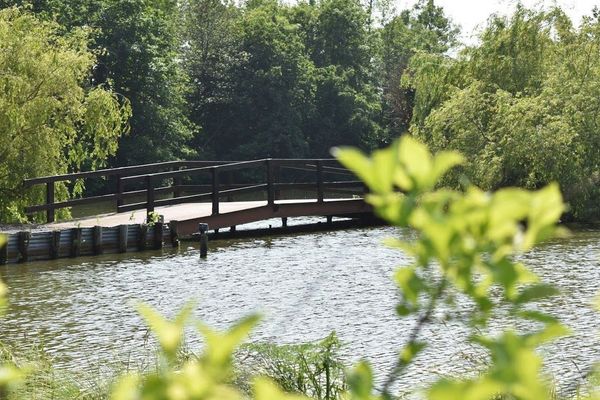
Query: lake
[[305, 286]]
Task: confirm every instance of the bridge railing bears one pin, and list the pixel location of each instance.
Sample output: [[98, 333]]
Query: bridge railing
[[149, 183]]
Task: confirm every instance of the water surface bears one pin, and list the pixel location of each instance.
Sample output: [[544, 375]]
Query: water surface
[[305, 286]]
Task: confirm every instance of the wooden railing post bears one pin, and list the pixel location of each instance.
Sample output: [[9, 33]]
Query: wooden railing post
[[319, 181], [230, 185], [215, 190], [50, 201], [270, 183], [177, 182], [119, 192], [277, 179], [149, 194]]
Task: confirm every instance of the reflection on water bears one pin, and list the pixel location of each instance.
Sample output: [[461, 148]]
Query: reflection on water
[[305, 286]]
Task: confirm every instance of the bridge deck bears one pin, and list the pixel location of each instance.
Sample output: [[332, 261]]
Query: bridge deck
[[231, 213]]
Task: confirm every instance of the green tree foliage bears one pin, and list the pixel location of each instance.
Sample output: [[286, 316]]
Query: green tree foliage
[[276, 80], [257, 107], [522, 104], [345, 104], [139, 43], [424, 28], [211, 38], [51, 121], [142, 49]]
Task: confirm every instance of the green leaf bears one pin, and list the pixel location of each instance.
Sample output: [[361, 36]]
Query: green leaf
[[410, 351], [536, 292], [410, 284], [220, 346], [360, 382], [442, 163], [169, 333]]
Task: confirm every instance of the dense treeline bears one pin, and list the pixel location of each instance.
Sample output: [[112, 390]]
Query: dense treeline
[[524, 105], [214, 79]]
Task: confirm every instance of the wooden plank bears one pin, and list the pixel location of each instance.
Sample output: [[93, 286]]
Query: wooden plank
[[50, 202], [97, 242], [55, 244], [76, 242], [23, 239], [142, 235], [123, 230], [158, 236], [4, 252]]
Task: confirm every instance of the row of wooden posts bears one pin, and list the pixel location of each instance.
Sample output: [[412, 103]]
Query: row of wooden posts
[[74, 242]]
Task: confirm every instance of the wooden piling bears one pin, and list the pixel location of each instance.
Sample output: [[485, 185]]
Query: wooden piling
[[23, 239], [97, 240], [4, 252], [76, 242], [142, 236], [123, 230], [158, 235], [203, 230], [329, 219], [55, 244], [173, 233]]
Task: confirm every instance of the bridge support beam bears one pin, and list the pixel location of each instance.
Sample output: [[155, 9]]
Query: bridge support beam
[[203, 233]]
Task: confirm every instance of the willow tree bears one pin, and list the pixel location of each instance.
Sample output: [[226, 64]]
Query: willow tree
[[51, 119], [522, 105]]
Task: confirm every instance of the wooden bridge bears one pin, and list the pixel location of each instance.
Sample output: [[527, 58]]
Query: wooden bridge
[[221, 194]]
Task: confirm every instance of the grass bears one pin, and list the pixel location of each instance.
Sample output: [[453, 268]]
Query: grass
[[312, 369]]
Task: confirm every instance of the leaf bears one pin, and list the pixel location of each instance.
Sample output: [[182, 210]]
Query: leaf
[[220, 346], [410, 283], [537, 316], [482, 389], [416, 160], [126, 388], [535, 292], [265, 389], [169, 333], [442, 163], [410, 351], [376, 172], [360, 382]]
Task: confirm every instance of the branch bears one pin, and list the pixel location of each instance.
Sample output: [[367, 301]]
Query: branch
[[412, 338]]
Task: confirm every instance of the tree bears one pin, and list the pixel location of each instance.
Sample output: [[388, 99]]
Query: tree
[[346, 105], [423, 29], [51, 120], [143, 56], [212, 49], [523, 105], [266, 95], [139, 44]]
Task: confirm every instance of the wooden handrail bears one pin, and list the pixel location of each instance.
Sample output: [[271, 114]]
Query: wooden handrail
[[154, 174]]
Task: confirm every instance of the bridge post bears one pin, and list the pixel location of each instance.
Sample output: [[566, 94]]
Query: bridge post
[[320, 181], [177, 182], [50, 202], [119, 191], [215, 190], [203, 231], [149, 195], [270, 183]]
